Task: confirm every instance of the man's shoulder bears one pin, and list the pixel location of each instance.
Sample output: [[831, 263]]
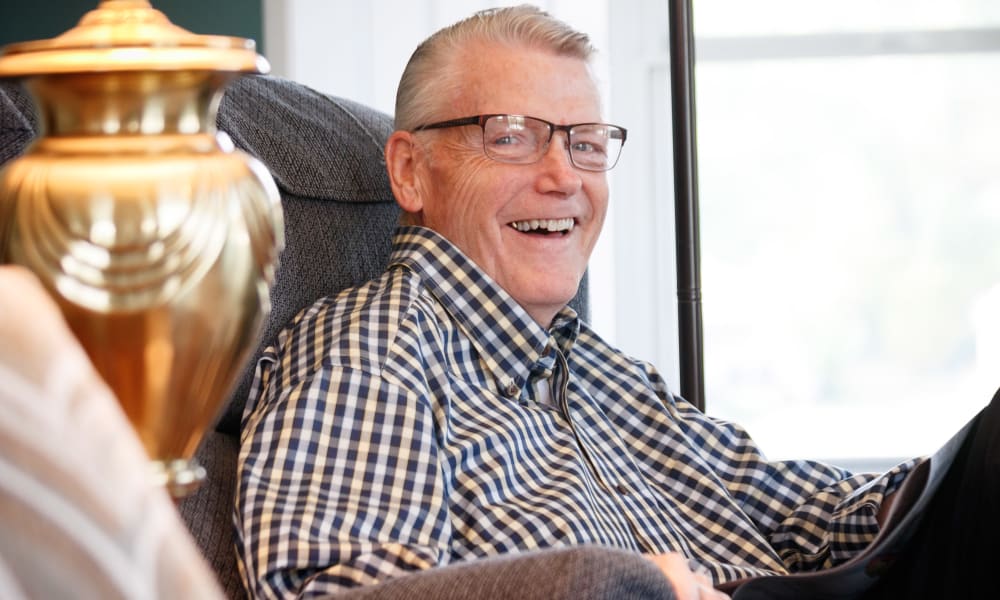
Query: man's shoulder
[[361, 323], [593, 353]]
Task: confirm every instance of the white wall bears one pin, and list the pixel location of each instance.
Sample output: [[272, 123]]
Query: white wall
[[358, 49]]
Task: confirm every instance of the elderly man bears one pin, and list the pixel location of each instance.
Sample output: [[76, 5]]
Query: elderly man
[[456, 408]]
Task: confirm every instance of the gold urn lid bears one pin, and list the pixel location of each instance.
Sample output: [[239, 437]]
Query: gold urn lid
[[130, 35]]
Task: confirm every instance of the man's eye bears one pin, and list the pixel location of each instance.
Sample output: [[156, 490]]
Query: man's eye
[[506, 140], [588, 147]]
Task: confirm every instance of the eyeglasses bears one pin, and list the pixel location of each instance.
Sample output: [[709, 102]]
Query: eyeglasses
[[522, 140]]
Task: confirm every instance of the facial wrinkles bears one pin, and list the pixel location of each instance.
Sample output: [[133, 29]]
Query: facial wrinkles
[[451, 208], [553, 176], [461, 166]]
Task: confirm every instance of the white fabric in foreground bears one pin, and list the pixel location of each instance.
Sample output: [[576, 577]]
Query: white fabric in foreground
[[79, 516]]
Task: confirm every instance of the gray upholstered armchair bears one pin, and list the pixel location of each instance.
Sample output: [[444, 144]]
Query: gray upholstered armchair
[[326, 157]]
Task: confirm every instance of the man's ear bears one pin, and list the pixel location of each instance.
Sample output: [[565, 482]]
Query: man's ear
[[402, 153]]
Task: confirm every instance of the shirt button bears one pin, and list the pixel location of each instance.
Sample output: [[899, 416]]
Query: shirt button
[[622, 489], [512, 389]]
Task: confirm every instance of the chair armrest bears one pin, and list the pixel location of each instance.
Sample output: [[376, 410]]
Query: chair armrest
[[578, 573]]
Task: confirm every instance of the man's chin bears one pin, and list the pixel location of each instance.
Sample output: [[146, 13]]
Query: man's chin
[[553, 302]]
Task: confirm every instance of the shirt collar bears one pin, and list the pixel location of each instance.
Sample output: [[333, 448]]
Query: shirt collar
[[508, 340]]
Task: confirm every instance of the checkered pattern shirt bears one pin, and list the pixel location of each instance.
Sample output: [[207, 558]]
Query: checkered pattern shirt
[[424, 419]]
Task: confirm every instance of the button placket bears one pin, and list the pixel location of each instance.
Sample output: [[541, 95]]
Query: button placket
[[511, 389]]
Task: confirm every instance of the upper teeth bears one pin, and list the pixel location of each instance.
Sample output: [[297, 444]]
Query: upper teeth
[[547, 224]]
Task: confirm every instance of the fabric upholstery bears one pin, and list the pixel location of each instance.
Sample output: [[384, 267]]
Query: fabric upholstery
[[325, 154], [580, 573], [17, 121]]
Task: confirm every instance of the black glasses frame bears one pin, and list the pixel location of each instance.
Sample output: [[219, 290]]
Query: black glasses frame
[[481, 120]]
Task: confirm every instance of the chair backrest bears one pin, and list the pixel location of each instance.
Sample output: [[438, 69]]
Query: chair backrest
[[326, 156], [18, 122]]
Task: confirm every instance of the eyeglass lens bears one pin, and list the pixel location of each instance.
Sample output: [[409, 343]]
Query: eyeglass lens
[[519, 139]]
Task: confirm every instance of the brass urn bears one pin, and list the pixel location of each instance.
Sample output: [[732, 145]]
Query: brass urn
[[157, 239]]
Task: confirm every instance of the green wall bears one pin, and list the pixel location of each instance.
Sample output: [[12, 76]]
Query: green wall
[[23, 20]]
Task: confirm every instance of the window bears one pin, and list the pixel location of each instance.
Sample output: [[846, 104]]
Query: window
[[850, 209]]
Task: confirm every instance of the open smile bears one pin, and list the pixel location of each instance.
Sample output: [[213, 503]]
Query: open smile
[[544, 226]]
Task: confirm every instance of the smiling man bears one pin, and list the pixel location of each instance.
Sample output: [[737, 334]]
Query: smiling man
[[522, 196], [456, 408]]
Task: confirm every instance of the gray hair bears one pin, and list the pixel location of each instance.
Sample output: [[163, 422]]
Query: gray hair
[[420, 88]]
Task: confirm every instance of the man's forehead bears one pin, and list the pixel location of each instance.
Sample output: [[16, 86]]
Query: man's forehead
[[519, 79], [493, 58]]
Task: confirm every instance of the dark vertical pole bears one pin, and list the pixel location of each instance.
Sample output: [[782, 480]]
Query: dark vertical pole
[[686, 203]]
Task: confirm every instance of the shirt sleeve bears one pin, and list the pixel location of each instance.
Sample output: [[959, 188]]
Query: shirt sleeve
[[339, 483], [813, 514]]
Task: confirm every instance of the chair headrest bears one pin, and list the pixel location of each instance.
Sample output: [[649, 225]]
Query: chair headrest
[[17, 120], [316, 146]]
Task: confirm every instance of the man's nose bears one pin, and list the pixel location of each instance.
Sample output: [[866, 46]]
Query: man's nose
[[558, 149], [559, 166]]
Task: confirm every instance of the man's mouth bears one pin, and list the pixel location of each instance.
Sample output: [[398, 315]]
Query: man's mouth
[[544, 226]]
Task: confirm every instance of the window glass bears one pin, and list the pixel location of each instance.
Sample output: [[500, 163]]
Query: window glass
[[770, 17], [850, 214]]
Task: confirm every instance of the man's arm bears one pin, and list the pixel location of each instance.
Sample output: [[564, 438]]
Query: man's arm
[[814, 515], [339, 485]]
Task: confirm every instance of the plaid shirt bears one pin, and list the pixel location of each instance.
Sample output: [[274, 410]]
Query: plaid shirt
[[424, 418]]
